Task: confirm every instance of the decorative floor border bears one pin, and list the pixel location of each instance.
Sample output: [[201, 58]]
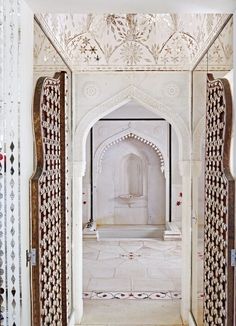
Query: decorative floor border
[[157, 295]]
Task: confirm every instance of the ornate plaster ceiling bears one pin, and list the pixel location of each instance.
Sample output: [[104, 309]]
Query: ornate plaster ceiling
[[131, 41], [220, 54], [45, 55]]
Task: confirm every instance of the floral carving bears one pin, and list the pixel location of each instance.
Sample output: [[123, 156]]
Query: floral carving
[[107, 41], [131, 53]]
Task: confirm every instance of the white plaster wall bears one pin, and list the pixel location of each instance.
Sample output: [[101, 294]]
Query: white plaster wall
[[26, 150], [132, 110]]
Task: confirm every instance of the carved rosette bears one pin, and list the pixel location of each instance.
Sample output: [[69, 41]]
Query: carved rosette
[[219, 207]]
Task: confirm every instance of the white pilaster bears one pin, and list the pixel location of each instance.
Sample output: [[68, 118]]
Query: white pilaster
[[196, 171], [167, 179], [77, 246], [185, 171]]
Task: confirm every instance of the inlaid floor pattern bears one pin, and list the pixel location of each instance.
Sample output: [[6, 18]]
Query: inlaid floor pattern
[[132, 282]]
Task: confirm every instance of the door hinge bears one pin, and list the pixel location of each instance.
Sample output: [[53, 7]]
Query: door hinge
[[31, 257], [233, 257]]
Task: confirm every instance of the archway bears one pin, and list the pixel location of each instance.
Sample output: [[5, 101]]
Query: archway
[[79, 164]]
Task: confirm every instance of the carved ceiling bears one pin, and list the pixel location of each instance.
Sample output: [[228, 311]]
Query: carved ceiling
[[131, 41], [45, 54]]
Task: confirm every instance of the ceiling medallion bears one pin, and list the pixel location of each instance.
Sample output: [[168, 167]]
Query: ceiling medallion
[[172, 90]]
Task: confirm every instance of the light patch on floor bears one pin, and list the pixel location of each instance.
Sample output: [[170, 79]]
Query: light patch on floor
[[135, 313], [132, 282]]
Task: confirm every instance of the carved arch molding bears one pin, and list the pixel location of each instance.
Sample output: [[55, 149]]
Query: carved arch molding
[[130, 136], [219, 229], [48, 204]]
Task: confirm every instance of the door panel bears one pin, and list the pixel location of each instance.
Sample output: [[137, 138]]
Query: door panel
[[219, 226], [48, 203]]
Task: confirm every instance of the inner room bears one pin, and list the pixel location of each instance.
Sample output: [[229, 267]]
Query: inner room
[[132, 196]]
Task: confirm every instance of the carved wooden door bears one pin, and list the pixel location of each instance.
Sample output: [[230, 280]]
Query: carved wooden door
[[48, 204], [219, 207]]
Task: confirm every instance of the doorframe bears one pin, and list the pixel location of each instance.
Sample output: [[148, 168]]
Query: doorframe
[[79, 165]]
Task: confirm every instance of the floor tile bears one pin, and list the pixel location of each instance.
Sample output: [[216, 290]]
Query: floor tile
[[98, 270], [131, 269], [109, 284], [153, 285], [132, 246]]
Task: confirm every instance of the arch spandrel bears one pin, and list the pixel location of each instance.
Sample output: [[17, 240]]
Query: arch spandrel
[[126, 95]]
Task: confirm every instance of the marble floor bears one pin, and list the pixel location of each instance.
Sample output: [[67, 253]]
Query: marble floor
[[143, 274]]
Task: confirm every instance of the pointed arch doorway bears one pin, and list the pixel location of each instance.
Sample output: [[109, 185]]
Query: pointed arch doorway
[[79, 164]]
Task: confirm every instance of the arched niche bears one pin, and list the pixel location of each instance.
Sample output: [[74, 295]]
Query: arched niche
[[132, 175]]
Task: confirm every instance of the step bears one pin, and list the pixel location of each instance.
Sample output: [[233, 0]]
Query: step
[[172, 232], [130, 231]]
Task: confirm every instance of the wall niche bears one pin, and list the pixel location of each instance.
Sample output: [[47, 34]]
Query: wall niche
[[132, 173]]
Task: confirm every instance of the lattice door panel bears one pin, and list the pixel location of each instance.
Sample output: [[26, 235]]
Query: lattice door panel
[[219, 207], [48, 204]]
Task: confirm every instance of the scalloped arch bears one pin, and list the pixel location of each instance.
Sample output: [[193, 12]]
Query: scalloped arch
[[106, 145]]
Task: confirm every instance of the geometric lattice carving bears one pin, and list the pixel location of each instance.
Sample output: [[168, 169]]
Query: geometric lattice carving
[[219, 207], [48, 203]]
